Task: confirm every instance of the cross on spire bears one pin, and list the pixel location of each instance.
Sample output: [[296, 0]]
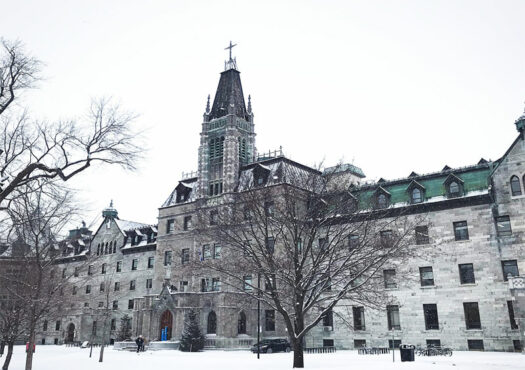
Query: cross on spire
[[230, 48]]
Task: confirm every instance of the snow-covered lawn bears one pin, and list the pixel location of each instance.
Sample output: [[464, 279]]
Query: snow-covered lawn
[[72, 358]]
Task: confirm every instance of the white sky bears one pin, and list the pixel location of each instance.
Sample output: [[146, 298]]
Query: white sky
[[392, 86]]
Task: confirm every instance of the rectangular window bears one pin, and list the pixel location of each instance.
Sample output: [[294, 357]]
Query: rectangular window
[[433, 343], [390, 278], [88, 289], [74, 290], [134, 264], [187, 223], [475, 345], [217, 251], [102, 287], [328, 319], [359, 318], [115, 305], [269, 285], [216, 285], [214, 217], [426, 275], [167, 258], [517, 345], [170, 226], [359, 343], [76, 272], [185, 256], [353, 242], [269, 320], [183, 286], [64, 273], [57, 325], [151, 261], [472, 319], [422, 235], [513, 324], [149, 283], [461, 230], [394, 344], [269, 209], [393, 317], [130, 304], [113, 324], [466, 273], [90, 270], [103, 269], [386, 238], [323, 243], [206, 252], [503, 226], [328, 343], [119, 266], [44, 328], [116, 288], [431, 316], [132, 285], [247, 282], [270, 245], [510, 268], [205, 285]]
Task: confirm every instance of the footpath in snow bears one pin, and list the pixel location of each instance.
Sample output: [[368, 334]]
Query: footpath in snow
[[73, 358]]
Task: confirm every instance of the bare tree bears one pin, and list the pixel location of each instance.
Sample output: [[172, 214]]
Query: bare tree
[[311, 245], [31, 150]]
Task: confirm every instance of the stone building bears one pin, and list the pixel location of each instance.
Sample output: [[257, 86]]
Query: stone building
[[460, 297], [108, 270]]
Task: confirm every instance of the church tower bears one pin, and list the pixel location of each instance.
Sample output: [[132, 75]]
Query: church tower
[[227, 136]]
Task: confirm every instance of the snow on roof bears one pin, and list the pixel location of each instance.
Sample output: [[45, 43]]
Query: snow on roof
[[130, 225]]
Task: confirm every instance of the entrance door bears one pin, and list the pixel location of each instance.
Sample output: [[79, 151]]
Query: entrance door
[[70, 335], [166, 321]]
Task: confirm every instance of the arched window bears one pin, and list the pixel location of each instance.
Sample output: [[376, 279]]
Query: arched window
[[241, 325], [106, 248], [453, 189], [382, 202], [212, 323], [416, 196], [515, 185]]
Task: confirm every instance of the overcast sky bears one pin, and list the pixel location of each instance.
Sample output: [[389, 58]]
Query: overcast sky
[[391, 86]]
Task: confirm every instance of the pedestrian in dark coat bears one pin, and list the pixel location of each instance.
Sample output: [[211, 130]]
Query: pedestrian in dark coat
[[140, 343]]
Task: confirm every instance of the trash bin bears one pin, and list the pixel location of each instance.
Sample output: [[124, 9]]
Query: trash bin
[[407, 352]]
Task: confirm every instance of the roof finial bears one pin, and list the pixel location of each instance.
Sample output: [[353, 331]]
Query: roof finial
[[208, 105], [111, 204], [249, 103], [232, 62]]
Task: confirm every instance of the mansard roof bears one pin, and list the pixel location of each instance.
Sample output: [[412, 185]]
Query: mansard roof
[[229, 91]]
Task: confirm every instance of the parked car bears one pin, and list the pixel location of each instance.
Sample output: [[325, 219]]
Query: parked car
[[272, 345]]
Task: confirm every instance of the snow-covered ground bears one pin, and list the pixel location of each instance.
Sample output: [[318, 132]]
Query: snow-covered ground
[[59, 357]]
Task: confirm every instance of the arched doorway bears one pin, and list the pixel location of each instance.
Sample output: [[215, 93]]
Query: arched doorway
[[70, 333], [241, 325], [166, 322], [212, 323]]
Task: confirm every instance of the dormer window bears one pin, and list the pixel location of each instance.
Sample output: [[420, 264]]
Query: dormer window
[[260, 175], [454, 186], [416, 196], [515, 185], [382, 201]]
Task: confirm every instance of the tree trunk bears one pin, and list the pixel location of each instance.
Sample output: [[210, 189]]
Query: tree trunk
[[298, 353], [29, 355], [8, 356], [101, 358]]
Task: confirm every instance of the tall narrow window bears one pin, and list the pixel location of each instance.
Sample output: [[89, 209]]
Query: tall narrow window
[[503, 226], [466, 273], [393, 317], [170, 226], [328, 319], [422, 235], [187, 222], [426, 276], [510, 268], [416, 196], [390, 278], [119, 266], [382, 201], [134, 264], [472, 319], [461, 230], [212, 323], [269, 320], [132, 285], [247, 282], [270, 245], [453, 190], [216, 285], [241, 323], [510, 307], [353, 242], [167, 258], [185, 256], [217, 251], [151, 261], [431, 316], [515, 185], [359, 318], [206, 252]]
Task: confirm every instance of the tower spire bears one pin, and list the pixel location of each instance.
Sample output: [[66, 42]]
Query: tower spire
[[208, 105], [249, 104]]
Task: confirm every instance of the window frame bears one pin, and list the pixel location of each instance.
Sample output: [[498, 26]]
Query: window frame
[[426, 281], [392, 313], [422, 235], [461, 231], [471, 310], [463, 279], [504, 264], [515, 192], [503, 223], [430, 312]]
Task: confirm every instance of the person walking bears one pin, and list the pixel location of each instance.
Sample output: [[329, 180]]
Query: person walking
[[140, 343]]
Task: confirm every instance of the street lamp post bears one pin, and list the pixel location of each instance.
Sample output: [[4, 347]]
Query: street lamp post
[[258, 315]]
